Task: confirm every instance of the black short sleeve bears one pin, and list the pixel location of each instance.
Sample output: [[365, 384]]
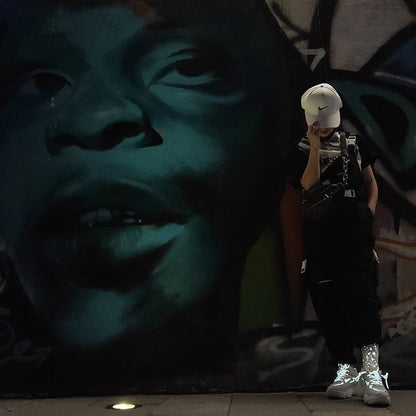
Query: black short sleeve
[[367, 158]]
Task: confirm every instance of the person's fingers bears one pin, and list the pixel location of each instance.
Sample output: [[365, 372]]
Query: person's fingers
[[312, 131], [314, 128]]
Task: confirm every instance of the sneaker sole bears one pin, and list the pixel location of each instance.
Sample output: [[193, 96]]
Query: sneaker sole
[[377, 401], [357, 390], [338, 396], [333, 394]]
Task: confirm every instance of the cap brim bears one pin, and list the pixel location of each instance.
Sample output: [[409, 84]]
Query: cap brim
[[325, 121]]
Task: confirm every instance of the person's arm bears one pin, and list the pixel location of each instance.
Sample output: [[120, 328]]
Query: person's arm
[[291, 220], [371, 188], [312, 172]]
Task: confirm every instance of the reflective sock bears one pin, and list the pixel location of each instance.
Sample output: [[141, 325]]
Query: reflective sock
[[370, 357]]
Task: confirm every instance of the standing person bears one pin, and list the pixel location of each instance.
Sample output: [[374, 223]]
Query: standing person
[[341, 269]]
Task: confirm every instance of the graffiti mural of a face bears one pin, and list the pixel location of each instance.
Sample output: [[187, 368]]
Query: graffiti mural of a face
[[136, 146]]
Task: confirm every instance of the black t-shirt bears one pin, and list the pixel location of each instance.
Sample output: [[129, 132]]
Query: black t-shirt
[[331, 162]]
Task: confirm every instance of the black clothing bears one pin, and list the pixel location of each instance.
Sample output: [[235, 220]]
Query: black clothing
[[299, 160], [341, 274]]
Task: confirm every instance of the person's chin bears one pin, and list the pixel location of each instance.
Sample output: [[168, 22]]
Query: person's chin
[[324, 133]]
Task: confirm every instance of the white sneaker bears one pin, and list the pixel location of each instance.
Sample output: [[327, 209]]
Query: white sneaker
[[375, 394], [345, 384]]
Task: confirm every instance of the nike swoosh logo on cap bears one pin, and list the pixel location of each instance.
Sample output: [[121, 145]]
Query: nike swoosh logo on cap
[[321, 108]]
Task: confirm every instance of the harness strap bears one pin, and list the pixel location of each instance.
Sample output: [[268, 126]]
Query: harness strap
[[345, 156]]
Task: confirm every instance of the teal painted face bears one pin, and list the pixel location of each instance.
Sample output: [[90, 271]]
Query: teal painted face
[[131, 155]]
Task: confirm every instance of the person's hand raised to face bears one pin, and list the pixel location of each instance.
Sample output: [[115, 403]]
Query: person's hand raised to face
[[313, 134]]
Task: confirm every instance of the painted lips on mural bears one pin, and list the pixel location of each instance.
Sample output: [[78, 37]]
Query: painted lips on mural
[[106, 229]]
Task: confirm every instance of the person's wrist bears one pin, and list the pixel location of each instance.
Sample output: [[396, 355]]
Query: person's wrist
[[314, 142]]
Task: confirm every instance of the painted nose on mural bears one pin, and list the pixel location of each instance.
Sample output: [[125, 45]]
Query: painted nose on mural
[[99, 121]]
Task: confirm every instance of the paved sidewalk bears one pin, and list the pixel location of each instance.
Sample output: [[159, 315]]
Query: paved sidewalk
[[241, 404]]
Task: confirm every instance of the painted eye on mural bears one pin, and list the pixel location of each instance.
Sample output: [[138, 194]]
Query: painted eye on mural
[[193, 68], [49, 83], [43, 83], [199, 64]]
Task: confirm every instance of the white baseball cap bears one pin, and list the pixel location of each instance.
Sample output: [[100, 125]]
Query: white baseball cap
[[322, 103]]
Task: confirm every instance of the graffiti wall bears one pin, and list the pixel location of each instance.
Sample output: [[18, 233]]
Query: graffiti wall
[[147, 241], [366, 49]]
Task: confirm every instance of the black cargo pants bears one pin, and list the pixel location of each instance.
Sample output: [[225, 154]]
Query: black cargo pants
[[341, 275]]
